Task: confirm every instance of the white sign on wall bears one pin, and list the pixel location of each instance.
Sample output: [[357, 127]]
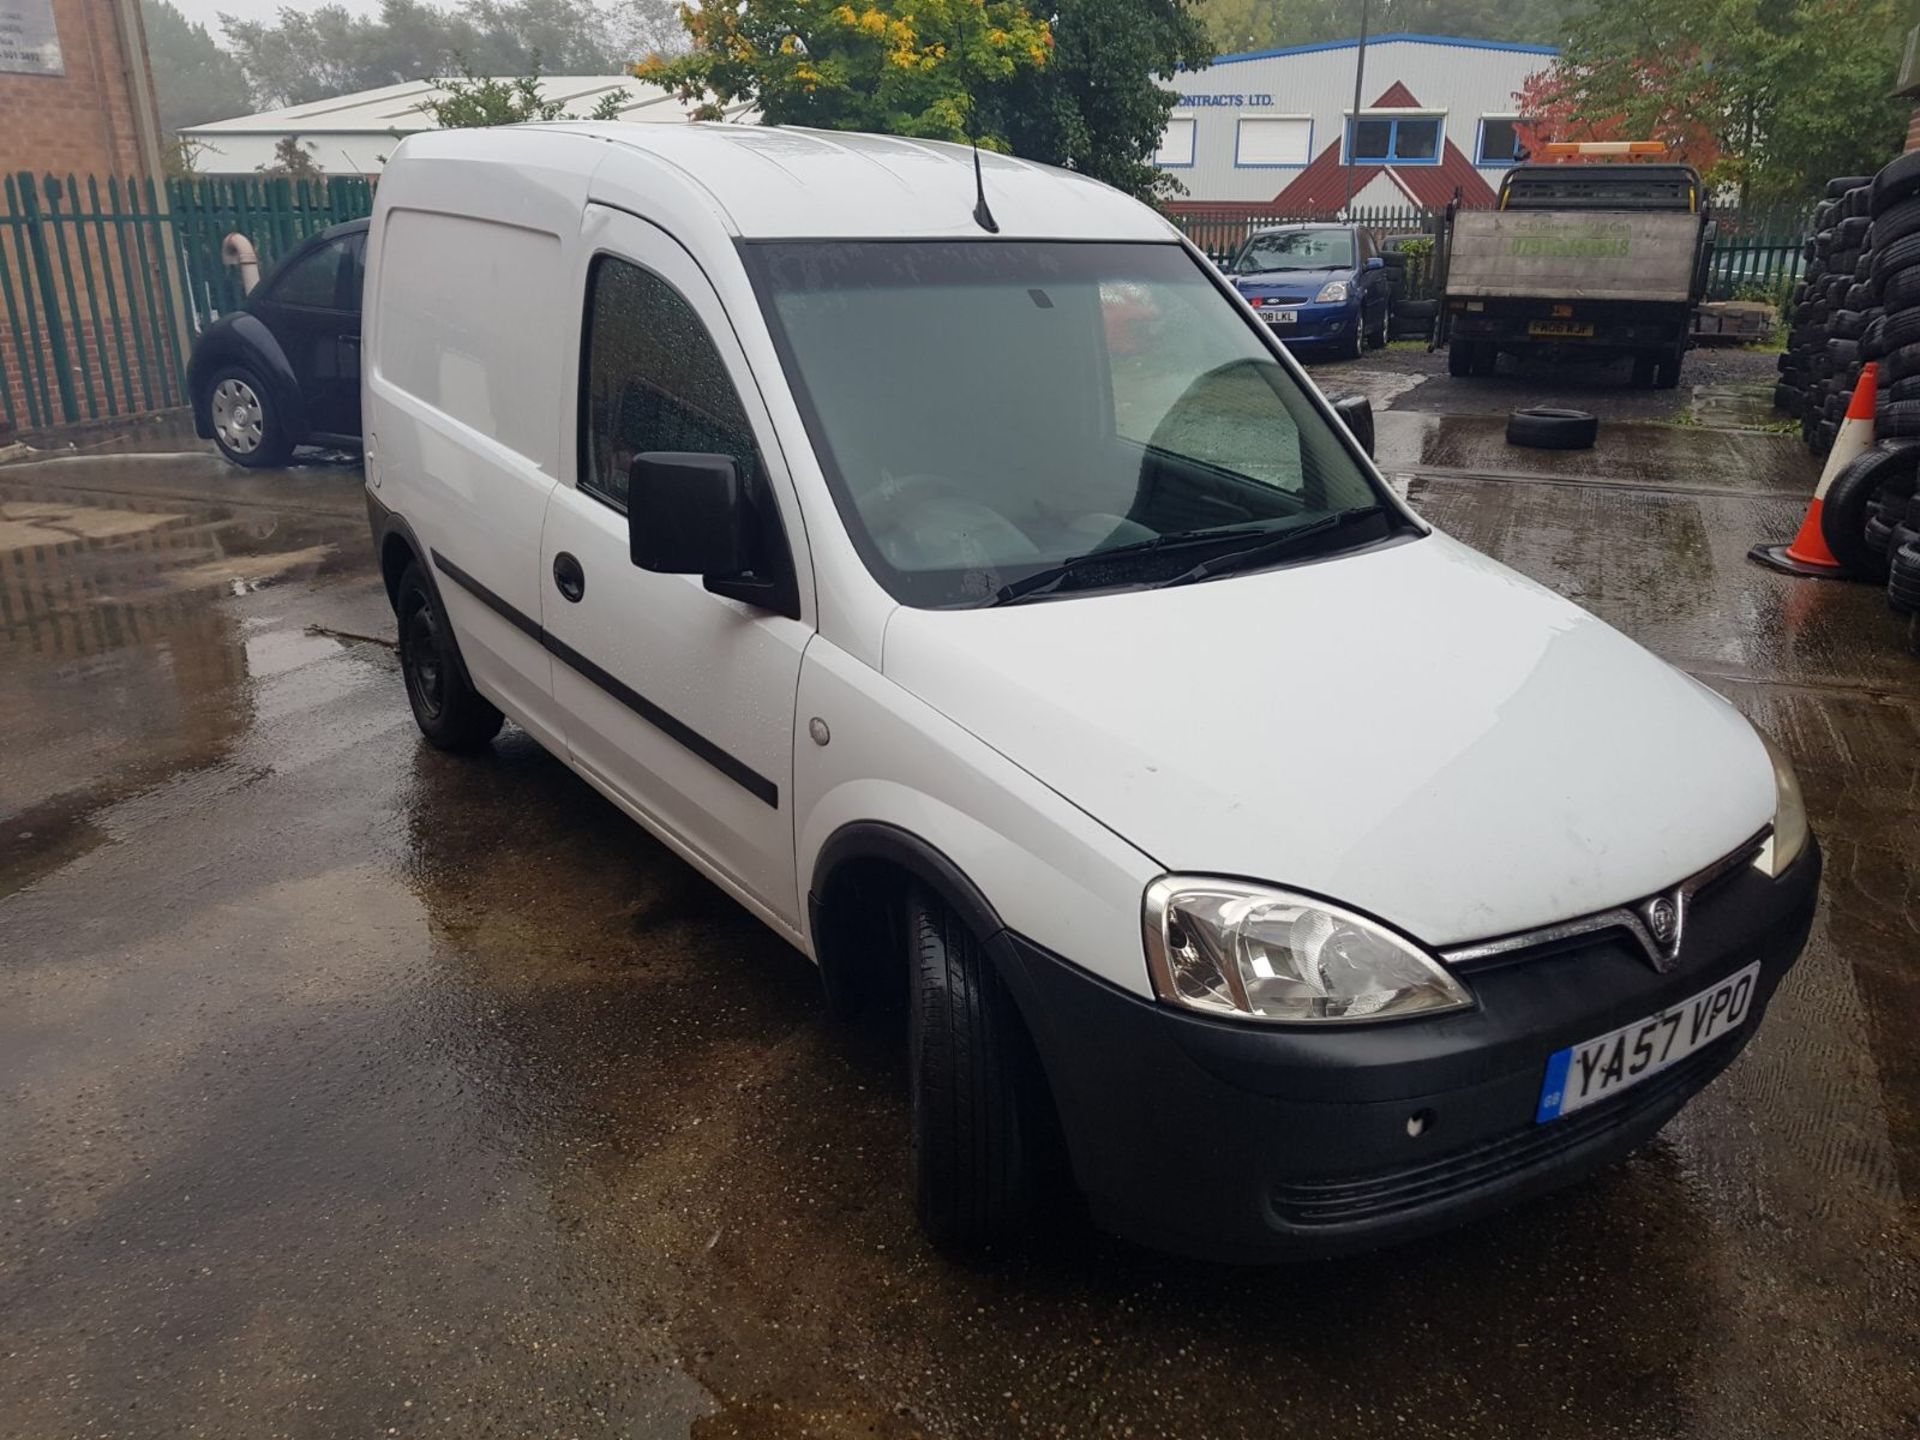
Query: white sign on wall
[[29, 43]]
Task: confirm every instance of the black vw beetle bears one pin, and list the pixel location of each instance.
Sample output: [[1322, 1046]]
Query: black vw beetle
[[284, 369]]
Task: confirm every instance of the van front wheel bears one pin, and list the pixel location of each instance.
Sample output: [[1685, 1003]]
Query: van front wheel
[[973, 1090], [449, 711]]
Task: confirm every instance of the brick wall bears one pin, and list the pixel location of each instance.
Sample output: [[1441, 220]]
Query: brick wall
[[81, 121]]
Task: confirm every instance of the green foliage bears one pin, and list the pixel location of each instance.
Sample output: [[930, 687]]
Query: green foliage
[[608, 106], [1096, 106], [292, 160], [1242, 25], [1773, 97], [906, 67], [474, 102], [194, 80], [305, 55]]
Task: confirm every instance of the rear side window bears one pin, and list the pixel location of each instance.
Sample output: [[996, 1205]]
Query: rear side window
[[654, 381], [313, 281]]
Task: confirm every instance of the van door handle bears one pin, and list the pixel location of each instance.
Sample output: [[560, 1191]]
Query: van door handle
[[568, 578]]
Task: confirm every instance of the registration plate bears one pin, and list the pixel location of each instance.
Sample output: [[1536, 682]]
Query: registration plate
[[1566, 329], [1620, 1059], [1281, 317]]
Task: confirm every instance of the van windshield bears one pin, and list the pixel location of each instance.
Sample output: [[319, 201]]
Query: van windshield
[[1004, 420]]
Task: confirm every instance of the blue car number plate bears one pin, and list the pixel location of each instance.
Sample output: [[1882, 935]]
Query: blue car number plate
[[1620, 1059]]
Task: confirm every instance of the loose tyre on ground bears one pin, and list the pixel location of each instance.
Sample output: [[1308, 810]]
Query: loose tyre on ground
[[1550, 428]]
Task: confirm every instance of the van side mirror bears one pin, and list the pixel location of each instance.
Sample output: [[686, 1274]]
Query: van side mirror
[[1357, 412], [687, 514]]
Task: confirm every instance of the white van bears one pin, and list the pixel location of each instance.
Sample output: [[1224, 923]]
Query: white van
[[952, 567]]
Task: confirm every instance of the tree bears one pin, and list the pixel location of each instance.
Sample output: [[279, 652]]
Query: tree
[[314, 54], [194, 80], [1772, 97], [907, 67], [1096, 106], [473, 102], [292, 160]]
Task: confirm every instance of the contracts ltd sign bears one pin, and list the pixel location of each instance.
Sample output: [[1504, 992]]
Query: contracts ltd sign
[[1238, 102]]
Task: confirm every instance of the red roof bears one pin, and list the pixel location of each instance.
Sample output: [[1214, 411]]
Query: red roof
[[1323, 186]]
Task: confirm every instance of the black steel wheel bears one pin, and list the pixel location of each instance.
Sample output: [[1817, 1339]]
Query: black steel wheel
[[446, 707], [247, 426]]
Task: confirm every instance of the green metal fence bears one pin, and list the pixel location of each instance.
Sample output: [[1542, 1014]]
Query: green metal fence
[[105, 283]]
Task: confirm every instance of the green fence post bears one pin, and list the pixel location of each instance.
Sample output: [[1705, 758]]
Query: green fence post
[[49, 299], [124, 221], [57, 225], [24, 352], [102, 243], [169, 301], [77, 220]]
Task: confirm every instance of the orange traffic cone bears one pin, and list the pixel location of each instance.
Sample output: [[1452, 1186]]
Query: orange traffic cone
[[1808, 554]]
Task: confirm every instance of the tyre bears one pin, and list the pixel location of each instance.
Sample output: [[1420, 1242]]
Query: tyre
[[1903, 329], [1417, 309], [1666, 373], [1899, 420], [1851, 232], [1548, 428], [1897, 222], [1907, 389], [973, 1090], [1460, 358], [1840, 185], [1896, 181], [247, 426], [1858, 297], [1843, 352], [1351, 345], [1898, 256], [1903, 579], [1901, 290], [1847, 324], [1785, 397], [1900, 361], [1643, 372], [446, 707], [1486, 358], [1858, 199], [1853, 496], [1873, 340]]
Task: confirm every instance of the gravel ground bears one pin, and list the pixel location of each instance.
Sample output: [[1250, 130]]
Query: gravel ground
[[1408, 377]]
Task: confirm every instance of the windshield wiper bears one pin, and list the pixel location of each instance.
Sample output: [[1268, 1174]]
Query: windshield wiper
[[1045, 582], [1269, 549]]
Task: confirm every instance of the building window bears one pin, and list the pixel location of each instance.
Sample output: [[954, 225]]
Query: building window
[[1176, 143], [1386, 140], [1274, 140], [1499, 140]]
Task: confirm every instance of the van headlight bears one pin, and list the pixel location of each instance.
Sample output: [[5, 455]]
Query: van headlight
[[1790, 829], [1331, 293], [1228, 948]]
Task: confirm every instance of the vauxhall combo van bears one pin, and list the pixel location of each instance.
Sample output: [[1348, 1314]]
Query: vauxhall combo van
[[938, 554]]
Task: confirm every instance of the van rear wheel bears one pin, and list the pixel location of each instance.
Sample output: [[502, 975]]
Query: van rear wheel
[[446, 707], [974, 1089]]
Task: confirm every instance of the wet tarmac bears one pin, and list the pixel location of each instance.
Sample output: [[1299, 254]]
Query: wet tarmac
[[352, 1089]]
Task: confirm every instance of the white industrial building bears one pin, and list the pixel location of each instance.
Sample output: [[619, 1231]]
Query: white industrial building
[[354, 134], [1275, 130]]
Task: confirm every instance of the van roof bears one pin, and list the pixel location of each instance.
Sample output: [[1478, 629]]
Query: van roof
[[773, 181]]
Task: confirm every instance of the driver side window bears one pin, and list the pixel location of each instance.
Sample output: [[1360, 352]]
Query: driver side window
[[652, 381], [312, 282]]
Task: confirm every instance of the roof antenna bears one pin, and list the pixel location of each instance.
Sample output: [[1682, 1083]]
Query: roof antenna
[[982, 215]]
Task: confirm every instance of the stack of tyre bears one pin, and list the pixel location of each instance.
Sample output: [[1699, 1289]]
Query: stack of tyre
[[1833, 307], [1407, 318], [1872, 513]]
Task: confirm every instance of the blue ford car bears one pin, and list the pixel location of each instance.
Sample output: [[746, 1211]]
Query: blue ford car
[[1316, 285]]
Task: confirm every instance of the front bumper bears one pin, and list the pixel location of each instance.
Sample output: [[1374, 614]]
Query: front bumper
[[1235, 1141], [1316, 324]]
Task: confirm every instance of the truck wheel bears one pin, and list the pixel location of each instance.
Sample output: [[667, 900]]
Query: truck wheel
[[1666, 372], [973, 1087], [1548, 428], [1486, 358], [1643, 371], [1461, 358], [446, 707]]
